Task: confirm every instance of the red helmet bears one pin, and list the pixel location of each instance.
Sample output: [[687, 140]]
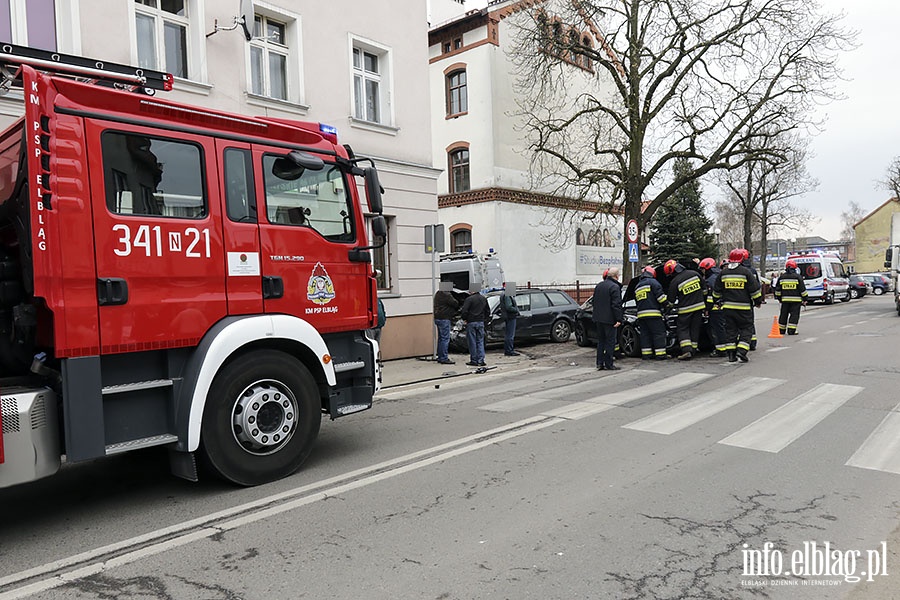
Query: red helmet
[[791, 264], [651, 270], [746, 253], [707, 263], [669, 267], [736, 255]]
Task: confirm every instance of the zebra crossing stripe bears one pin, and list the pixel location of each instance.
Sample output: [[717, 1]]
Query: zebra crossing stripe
[[704, 406], [881, 450], [784, 425], [604, 402], [572, 389], [442, 398]]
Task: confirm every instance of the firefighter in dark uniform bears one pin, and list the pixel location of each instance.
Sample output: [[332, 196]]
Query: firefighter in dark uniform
[[749, 264], [791, 292], [716, 318], [688, 291], [651, 298], [737, 292]]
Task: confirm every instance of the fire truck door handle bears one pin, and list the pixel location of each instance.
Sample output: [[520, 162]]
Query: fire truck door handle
[[112, 291], [273, 287]]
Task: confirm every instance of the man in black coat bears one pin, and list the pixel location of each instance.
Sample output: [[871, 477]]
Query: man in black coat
[[608, 315], [475, 312]]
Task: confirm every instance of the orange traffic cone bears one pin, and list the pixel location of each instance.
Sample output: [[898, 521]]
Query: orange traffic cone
[[776, 332]]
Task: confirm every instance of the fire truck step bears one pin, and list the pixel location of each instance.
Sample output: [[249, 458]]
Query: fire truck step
[[348, 366], [156, 440], [138, 385]]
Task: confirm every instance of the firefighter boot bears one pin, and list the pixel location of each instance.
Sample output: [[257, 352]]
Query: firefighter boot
[[742, 356], [732, 356]]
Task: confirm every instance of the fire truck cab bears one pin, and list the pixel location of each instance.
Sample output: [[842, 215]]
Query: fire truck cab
[[175, 276]]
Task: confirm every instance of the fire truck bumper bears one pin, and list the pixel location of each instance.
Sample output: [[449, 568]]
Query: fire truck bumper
[[30, 435]]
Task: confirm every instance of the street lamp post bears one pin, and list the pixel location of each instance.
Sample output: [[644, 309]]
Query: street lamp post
[[718, 249]]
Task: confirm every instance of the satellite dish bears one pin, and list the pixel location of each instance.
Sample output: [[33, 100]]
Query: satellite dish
[[248, 16]]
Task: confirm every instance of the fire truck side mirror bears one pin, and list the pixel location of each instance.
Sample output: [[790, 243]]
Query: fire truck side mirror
[[294, 163], [379, 227], [373, 190]]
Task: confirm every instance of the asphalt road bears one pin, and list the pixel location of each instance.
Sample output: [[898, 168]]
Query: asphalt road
[[663, 480]]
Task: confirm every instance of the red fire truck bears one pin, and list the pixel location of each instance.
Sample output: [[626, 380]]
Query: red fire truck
[[175, 276]]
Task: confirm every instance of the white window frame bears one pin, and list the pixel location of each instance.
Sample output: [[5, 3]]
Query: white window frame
[[195, 40], [389, 250], [68, 20], [385, 87], [290, 47]]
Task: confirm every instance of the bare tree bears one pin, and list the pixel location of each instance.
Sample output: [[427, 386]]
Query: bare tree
[[676, 79], [849, 218], [891, 181], [762, 190]]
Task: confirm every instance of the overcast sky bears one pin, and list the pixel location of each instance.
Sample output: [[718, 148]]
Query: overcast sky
[[862, 132]]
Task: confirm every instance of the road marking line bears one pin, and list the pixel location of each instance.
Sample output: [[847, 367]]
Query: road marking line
[[881, 450], [711, 403], [784, 425], [513, 404], [155, 542], [847, 326], [779, 349], [809, 340], [604, 402], [460, 380], [440, 397]]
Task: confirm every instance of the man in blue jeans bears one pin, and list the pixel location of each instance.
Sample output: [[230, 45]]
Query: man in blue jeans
[[445, 307], [608, 315], [475, 312]]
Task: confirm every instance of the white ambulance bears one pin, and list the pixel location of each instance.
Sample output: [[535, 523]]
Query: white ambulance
[[824, 276]]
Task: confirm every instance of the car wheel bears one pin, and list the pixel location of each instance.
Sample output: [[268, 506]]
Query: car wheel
[[829, 299], [629, 343], [846, 298], [261, 418], [878, 291], [560, 331], [854, 293], [581, 336]]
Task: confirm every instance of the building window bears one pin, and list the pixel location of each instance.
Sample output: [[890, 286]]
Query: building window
[[446, 47], [34, 26], [459, 170], [457, 93], [161, 28], [457, 43], [461, 240], [269, 59], [371, 83], [381, 257], [366, 85]]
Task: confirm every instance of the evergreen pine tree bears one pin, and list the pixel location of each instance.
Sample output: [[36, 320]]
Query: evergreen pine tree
[[680, 227]]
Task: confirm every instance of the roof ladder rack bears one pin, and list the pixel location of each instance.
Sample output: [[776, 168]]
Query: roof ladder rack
[[96, 71]]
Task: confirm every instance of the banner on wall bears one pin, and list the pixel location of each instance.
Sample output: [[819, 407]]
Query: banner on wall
[[597, 249]]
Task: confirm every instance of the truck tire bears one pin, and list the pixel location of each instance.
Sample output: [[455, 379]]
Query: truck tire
[[261, 418]]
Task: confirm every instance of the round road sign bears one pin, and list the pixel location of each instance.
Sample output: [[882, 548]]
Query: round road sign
[[631, 231]]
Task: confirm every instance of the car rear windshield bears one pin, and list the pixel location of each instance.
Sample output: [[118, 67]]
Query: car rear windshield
[[812, 270]]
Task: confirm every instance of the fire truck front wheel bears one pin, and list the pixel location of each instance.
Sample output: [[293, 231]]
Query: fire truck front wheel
[[261, 418]]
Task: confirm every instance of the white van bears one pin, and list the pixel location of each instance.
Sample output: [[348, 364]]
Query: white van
[[824, 276], [465, 269]]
